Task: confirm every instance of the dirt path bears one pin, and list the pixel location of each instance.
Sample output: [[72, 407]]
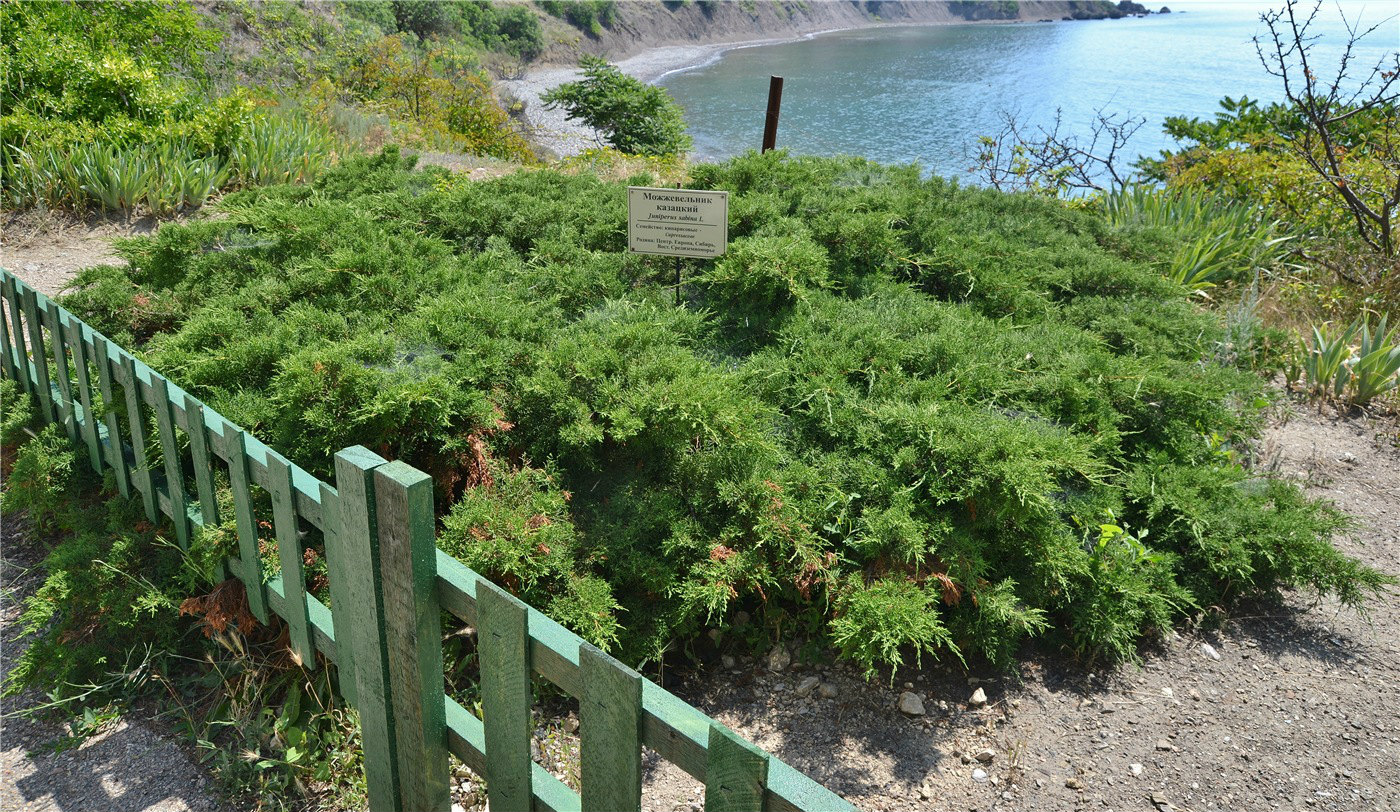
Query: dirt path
[[128, 766], [1292, 707]]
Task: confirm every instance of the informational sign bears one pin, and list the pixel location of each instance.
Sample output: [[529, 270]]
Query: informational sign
[[677, 222]]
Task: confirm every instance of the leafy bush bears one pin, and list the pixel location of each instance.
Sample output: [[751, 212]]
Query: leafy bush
[[634, 117], [92, 118], [591, 16], [899, 412]]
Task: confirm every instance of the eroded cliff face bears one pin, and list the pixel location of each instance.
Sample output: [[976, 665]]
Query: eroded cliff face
[[643, 24]]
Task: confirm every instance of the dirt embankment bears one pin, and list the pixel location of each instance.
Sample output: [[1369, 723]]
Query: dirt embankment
[[640, 26]]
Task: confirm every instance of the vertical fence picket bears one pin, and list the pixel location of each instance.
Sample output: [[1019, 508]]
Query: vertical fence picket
[[289, 553], [342, 599], [736, 773], [58, 342], [413, 631], [88, 426], [9, 368], [363, 621], [143, 479], [12, 298], [38, 357], [610, 719], [170, 451], [116, 456], [504, 651], [203, 463], [247, 521]]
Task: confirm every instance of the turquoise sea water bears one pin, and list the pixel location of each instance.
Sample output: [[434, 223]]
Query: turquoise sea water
[[924, 93]]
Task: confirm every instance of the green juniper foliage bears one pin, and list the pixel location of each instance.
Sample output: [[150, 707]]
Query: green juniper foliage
[[926, 419]]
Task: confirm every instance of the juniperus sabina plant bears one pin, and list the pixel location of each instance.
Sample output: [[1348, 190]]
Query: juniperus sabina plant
[[899, 412]]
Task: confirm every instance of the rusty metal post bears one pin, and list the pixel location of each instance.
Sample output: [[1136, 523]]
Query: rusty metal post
[[770, 123]]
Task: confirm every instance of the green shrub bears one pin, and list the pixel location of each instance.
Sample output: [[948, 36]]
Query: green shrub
[[634, 117], [899, 413]]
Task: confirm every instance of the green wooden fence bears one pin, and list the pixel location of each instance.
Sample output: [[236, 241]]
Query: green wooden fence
[[389, 584]]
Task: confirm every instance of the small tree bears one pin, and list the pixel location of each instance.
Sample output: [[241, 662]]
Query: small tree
[[1326, 103], [634, 117], [1052, 162]]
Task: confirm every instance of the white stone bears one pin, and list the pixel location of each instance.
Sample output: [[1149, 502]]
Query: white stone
[[979, 698], [979, 775]]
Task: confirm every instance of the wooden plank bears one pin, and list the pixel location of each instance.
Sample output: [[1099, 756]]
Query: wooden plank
[[289, 553], [12, 298], [361, 621], [338, 571], [505, 696], [413, 632], [38, 358], [610, 718], [58, 345], [141, 473], [87, 426], [247, 523], [736, 774], [203, 463], [174, 470], [116, 456], [8, 367]]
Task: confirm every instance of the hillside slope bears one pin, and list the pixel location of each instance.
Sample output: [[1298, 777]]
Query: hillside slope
[[638, 26]]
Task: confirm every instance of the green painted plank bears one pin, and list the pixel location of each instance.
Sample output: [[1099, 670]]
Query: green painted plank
[[58, 346], [413, 632], [736, 774], [116, 456], [362, 621], [289, 553], [247, 523], [21, 359], [338, 571], [203, 463], [505, 696], [174, 470], [791, 791], [88, 424], [9, 368], [610, 718], [38, 358], [136, 422]]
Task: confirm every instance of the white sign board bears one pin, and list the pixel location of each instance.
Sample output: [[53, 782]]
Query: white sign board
[[677, 222]]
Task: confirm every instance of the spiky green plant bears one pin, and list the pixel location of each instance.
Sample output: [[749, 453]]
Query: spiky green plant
[[1218, 239], [1375, 368]]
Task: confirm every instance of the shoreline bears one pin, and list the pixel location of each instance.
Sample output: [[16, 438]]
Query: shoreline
[[556, 134]]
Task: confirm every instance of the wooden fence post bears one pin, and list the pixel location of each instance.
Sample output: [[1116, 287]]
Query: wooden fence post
[[359, 623], [736, 773], [503, 643], [413, 633]]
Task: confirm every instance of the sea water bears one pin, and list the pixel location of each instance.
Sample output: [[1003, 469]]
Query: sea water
[[925, 93]]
